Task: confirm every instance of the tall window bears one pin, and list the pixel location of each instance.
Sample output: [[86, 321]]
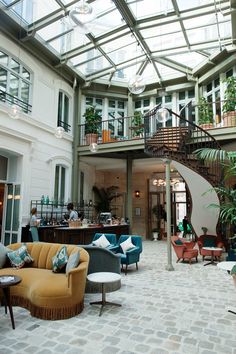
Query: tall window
[[59, 186], [212, 94], [116, 111], [166, 102], [185, 106], [15, 82], [63, 111]]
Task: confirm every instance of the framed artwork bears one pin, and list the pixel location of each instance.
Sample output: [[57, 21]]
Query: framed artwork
[[137, 211]]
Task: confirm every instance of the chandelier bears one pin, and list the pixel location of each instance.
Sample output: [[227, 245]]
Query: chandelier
[[162, 182], [136, 85]]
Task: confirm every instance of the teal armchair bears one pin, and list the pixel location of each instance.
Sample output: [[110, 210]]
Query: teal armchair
[[110, 237], [131, 256]]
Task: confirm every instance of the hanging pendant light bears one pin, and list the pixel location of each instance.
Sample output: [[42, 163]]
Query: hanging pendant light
[[136, 85], [162, 115], [14, 111], [93, 147], [80, 17], [59, 132]]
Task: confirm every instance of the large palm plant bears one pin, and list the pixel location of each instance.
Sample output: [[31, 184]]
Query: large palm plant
[[227, 193]]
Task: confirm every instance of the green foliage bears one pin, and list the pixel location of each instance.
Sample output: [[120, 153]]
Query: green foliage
[[92, 120], [137, 122], [226, 194], [104, 196], [205, 113], [230, 95]]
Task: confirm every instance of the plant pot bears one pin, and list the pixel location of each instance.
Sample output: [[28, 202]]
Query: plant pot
[[91, 138], [229, 119], [206, 125]]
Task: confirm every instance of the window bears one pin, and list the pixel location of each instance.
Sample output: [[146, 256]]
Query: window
[[116, 113], [185, 107], [212, 94], [15, 82], [63, 111], [59, 186], [166, 102]]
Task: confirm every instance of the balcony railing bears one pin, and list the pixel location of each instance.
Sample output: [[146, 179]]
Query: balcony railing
[[10, 99], [113, 130]]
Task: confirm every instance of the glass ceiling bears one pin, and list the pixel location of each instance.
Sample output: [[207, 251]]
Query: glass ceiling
[[160, 39]]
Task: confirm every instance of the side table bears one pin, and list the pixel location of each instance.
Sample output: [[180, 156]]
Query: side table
[[6, 281], [103, 278], [212, 249]]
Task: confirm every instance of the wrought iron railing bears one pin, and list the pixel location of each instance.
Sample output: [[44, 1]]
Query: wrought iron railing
[[179, 141], [112, 130], [10, 99]]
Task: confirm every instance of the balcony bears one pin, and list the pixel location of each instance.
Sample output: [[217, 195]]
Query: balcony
[[12, 100]]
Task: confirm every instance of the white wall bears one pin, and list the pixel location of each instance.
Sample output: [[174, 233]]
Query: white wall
[[31, 137], [202, 214]]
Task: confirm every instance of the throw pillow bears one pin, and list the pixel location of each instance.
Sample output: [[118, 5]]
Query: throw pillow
[[19, 257], [3, 255], [178, 242], [73, 261], [127, 245], [102, 241], [60, 260], [209, 242]]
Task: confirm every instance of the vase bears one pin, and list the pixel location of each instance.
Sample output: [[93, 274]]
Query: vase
[[91, 138]]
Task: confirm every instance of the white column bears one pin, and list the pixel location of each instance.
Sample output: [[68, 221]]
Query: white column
[[168, 214]]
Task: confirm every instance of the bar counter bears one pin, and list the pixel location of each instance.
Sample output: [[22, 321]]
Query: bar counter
[[73, 235], [84, 235]]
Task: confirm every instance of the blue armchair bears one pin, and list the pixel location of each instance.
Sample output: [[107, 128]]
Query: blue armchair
[[131, 256], [110, 237]]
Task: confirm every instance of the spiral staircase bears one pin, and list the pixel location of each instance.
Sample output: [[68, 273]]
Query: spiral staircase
[[178, 143]]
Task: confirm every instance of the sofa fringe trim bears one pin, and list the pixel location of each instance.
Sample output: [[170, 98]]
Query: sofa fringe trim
[[46, 313]]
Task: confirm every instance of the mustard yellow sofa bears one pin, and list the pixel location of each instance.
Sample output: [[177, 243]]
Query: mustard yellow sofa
[[48, 295]]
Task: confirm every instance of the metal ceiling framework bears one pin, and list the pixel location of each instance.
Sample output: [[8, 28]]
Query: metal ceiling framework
[[144, 32]]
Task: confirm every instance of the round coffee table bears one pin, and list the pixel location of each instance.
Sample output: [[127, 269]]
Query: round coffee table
[[226, 265], [103, 278], [212, 249], [6, 281]]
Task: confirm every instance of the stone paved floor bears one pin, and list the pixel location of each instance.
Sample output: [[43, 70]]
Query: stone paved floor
[[184, 311]]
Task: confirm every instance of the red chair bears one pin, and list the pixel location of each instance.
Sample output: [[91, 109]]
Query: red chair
[[209, 241], [184, 250]]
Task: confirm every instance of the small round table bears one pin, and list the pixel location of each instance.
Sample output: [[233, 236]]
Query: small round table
[[212, 249], [103, 278], [6, 281]]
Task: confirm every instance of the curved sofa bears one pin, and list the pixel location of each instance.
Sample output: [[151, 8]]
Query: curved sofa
[[48, 295]]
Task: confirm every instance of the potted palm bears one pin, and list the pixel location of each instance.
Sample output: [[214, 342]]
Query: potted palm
[[227, 193], [205, 114], [92, 124], [229, 106]]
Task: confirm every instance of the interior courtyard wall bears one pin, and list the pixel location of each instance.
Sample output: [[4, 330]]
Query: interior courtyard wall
[[32, 136]]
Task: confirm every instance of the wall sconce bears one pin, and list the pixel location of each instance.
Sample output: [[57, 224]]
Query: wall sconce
[[137, 194]]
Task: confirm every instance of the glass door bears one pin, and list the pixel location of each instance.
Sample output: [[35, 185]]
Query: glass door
[[11, 213]]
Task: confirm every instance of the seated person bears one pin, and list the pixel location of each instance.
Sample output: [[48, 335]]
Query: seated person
[[73, 215]]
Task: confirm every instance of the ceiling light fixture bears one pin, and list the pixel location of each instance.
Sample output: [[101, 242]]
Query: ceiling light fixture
[[136, 85], [80, 17], [162, 115], [93, 147], [14, 111], [59, 132]]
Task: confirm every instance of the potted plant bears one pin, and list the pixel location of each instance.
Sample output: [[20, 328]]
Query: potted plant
[[226, 193], [92, 124], [229, 106], [205, 114], [137, 124]]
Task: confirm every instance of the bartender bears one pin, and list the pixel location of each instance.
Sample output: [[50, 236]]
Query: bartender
[[73, 215]]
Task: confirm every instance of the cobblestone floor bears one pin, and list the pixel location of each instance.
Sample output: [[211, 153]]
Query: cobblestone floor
[[163, 312]]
